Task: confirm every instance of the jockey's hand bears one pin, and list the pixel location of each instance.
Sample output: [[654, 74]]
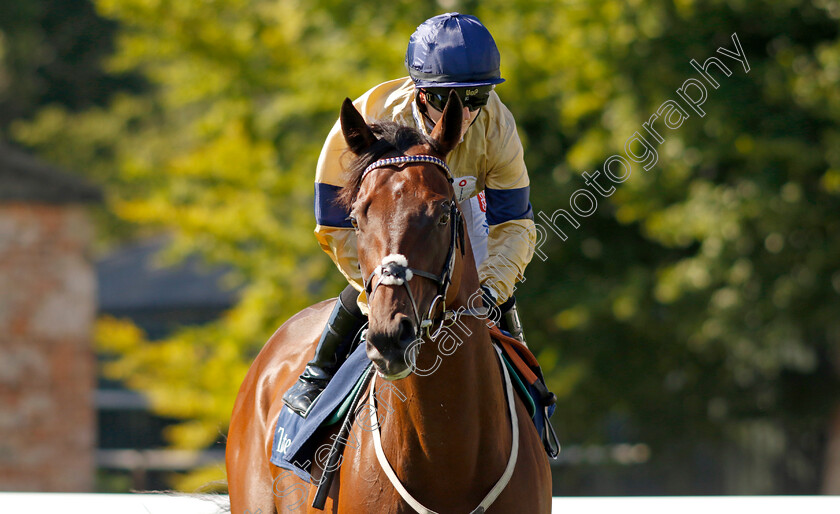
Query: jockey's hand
[[489, 301]]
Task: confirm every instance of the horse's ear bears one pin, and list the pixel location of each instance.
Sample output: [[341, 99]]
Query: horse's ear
[[447, 132], [358, 135]]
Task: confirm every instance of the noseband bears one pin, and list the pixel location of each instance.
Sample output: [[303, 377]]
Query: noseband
[[394, 269]]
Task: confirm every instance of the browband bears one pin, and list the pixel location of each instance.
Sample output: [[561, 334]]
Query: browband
[[405, 159]]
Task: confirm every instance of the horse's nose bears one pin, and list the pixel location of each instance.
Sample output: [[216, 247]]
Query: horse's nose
[[387, 344], [406, 332]]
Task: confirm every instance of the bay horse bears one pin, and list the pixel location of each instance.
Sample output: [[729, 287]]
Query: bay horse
[[447, 437]]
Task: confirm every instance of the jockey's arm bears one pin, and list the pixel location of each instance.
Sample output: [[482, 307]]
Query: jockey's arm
[[333, 230], [512, 236]]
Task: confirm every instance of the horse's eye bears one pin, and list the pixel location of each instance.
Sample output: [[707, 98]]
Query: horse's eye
[[354, 223], [444, 220]]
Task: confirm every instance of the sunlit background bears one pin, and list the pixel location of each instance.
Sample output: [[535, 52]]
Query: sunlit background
[[156, 193]]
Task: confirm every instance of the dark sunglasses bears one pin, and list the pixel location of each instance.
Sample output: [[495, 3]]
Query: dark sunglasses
[[471, 97]]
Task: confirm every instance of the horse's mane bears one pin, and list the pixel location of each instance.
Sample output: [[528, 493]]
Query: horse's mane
[[391, 136]]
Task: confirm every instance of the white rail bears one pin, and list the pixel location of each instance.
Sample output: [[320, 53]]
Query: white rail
[[184, 504], [26, 503], [699, 505]]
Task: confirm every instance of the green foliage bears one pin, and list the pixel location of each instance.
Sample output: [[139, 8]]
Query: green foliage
[[221, 152], [704, 289], [51, 52], [701, 298]]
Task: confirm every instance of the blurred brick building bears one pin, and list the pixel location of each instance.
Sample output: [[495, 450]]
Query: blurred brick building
[[47, 309]]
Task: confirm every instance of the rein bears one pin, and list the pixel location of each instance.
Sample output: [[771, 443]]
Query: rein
[[394, 269]]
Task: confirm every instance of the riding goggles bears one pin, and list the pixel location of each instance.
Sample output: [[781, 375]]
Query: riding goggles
[[471, 97]]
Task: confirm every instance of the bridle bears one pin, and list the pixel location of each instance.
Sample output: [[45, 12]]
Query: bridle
[[395, 271]]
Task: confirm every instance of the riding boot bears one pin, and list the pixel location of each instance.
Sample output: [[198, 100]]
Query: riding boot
[[331, 351], [510, 321]]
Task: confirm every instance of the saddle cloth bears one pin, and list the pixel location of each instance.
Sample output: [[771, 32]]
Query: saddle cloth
[[296, 438], [294, 444]]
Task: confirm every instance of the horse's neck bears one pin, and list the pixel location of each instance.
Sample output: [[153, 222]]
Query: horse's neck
[[453, 416]]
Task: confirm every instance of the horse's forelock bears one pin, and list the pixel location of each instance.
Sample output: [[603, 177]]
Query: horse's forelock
[[391, 137]]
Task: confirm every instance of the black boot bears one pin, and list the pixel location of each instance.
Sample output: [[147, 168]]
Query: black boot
[[331, 351], [510, 321]]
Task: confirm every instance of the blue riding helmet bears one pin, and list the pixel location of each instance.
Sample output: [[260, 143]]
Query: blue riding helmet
[[452, 50]]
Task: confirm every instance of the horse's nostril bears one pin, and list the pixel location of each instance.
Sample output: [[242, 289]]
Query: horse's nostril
[[406, 332]]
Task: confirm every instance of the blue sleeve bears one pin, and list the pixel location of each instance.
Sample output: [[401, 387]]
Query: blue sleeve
[[327, 211], [508, 204]]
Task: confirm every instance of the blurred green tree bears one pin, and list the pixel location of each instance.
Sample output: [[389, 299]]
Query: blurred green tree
[[51, 53], [699, 303]]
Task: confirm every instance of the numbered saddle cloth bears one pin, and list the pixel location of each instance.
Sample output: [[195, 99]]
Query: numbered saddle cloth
[[296, 438]]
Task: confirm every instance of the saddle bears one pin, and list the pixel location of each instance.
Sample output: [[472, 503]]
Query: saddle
[[528, 379]]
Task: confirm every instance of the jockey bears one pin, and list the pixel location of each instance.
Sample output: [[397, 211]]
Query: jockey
[[449, 51]]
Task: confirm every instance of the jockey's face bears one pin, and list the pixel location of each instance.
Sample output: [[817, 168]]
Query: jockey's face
[[434, 114]]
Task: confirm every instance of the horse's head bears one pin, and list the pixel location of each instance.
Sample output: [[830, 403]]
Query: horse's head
[[408, 226]]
